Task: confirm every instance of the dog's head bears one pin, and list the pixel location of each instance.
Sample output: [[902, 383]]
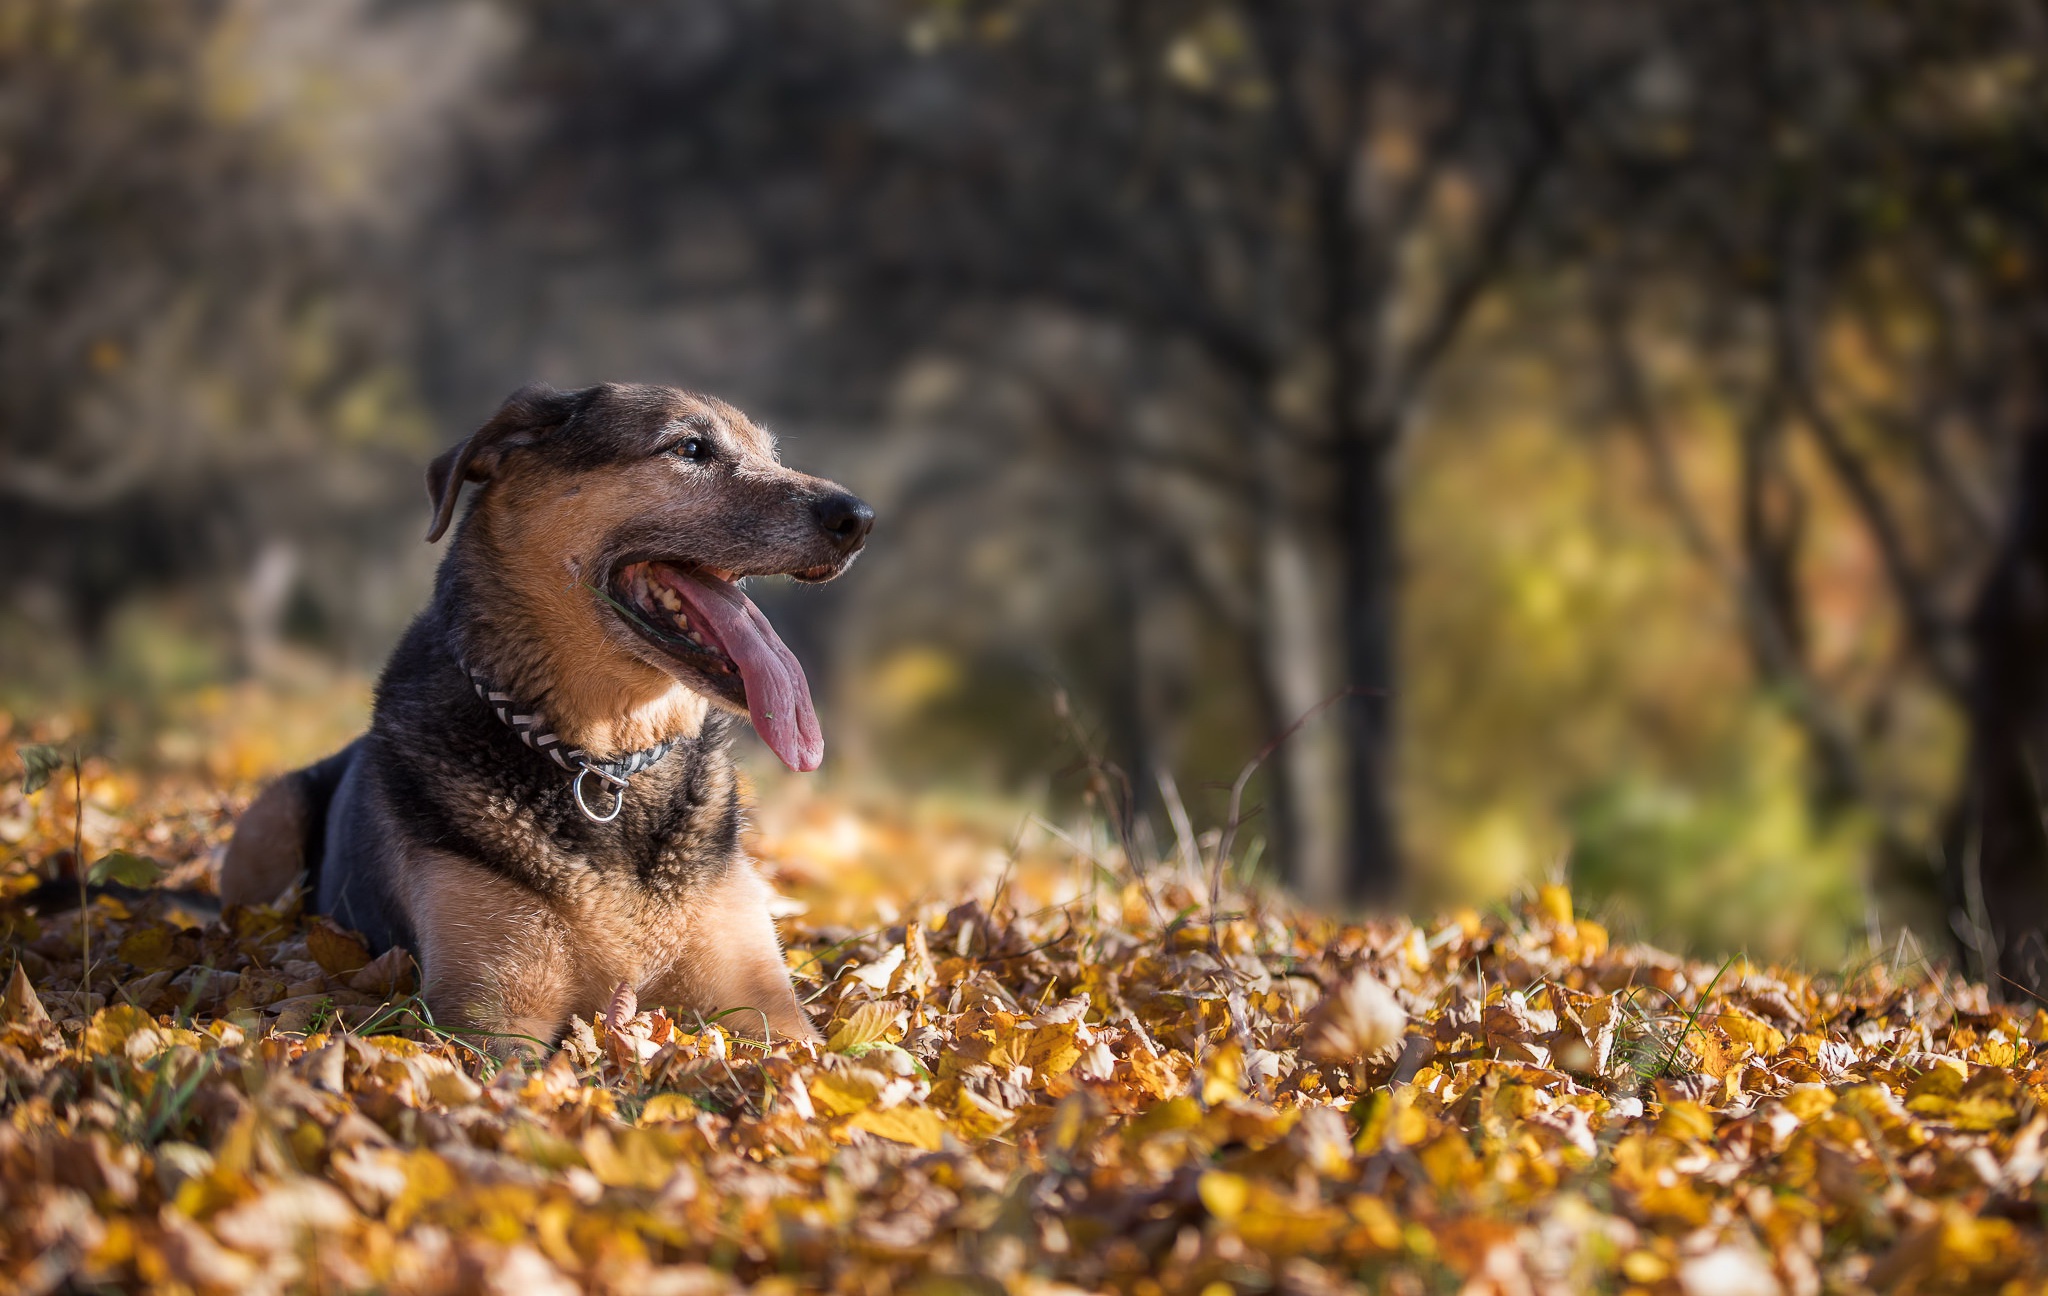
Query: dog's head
[[627, 515]]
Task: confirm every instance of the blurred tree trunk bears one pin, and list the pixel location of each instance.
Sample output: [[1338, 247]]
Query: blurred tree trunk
[[1369, 524], [1998, 843], [1138, 746], [1307, 813]]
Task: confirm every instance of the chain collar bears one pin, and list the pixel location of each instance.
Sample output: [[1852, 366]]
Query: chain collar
[[533, 731]]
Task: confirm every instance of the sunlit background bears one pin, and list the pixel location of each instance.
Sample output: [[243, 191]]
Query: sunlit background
[[1564, 441]]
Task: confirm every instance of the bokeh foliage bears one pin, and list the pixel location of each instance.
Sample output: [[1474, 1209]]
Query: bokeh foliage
[[1687, 368]]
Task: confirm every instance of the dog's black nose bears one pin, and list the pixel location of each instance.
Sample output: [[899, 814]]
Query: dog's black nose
[[846, 520]]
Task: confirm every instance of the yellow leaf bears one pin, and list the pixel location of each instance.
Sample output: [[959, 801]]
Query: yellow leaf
[[975, 1117], [2037, 1029], [1277, 1226], [1410, 1123], [1645, 1267], [629, 1158], [1223, 1075], [1932, 1106], [453, 1088], [1069, 1124], [920, 1127], [116, 1247], [428, 1180], [668, 1107], [1807, 1101], [1224, 1194], [1173, 1114], [1871, 1102], [551, 1225], [203, 1195], [1593, 940], [1415, 950], [1449, 1162], [1371, 1114], [1713, 1058], [1970, 1244], [1944, 1079], [1052, 1050], [1555, 902], [1765, 1039], [1982, 1115], [1158, 1076], [1381, 1225], [307, 1142], [1681, 1201], [846, 1091], [866, 1025], [112, 1028], [1686, 1120]]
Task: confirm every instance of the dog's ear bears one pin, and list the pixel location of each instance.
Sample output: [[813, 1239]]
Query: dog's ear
[[524, 418]]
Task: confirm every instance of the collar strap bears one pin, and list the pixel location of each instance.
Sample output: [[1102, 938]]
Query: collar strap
[[533, 731]]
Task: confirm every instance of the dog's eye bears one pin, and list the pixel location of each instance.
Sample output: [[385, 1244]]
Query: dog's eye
[[692, 449]]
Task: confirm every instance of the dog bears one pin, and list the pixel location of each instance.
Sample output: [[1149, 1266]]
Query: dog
[[545, 804]]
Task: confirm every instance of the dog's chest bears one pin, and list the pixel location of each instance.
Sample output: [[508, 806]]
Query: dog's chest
[[677, 828]]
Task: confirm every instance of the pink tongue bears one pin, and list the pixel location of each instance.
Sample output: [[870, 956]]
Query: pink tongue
[[778, 696]]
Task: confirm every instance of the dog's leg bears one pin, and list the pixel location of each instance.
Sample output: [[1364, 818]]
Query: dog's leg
[[277, 839], [268, 851], [732, 959], [496, 958]]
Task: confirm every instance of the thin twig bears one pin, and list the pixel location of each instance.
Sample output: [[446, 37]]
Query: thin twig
[[1099, 783], [1000, 958], [84, 889], [1244, 776], [1183, 828]]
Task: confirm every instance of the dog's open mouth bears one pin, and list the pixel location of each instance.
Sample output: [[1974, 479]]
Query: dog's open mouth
[[699, 617]]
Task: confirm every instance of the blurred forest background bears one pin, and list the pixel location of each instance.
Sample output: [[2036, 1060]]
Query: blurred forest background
[[1628, 413]]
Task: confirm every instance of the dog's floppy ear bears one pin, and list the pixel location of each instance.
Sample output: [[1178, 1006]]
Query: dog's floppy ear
[[526, 414]]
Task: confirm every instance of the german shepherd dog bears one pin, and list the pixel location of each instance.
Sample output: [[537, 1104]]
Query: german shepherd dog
[[545, 805]]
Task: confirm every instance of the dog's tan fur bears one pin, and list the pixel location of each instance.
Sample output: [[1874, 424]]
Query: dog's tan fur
[[601, 697], [512, 961]]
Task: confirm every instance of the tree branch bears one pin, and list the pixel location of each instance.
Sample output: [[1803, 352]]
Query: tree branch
[[1771, 641], [1931, 630]]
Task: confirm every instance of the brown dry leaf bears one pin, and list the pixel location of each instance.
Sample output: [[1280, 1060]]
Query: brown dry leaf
[[337, 952], [624, 1004], [390, 973], [21, 1004], [1355, 1022]]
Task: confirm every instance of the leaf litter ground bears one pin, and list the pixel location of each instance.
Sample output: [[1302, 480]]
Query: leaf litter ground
[[1045, 1071]]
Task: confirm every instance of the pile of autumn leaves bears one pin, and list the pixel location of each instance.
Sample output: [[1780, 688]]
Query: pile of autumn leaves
[[1085, 1078]]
